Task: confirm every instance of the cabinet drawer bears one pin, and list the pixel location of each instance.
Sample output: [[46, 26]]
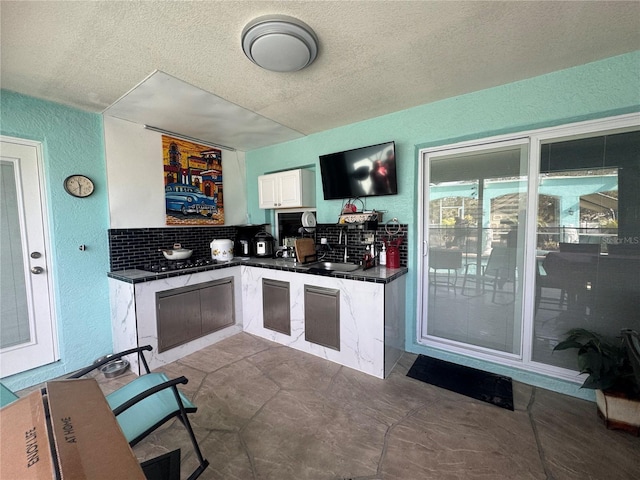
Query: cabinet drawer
[[322, 316], [276, 309]]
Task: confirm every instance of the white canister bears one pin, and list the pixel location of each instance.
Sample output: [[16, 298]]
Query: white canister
[[222, 250]]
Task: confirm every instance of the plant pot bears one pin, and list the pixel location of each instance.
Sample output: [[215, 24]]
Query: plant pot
[[619, 411]]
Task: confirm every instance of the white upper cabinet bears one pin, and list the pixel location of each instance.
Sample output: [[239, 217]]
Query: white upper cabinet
[[268, 191], [289, 189]]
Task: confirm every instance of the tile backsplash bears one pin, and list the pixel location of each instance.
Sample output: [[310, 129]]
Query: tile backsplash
[[355, 238], [136, 247]]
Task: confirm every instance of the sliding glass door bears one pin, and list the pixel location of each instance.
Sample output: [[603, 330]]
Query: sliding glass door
[[526, 238], [475, 230], [587, 241]]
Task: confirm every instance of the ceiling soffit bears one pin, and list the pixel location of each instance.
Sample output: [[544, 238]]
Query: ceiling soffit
[[168, 103]]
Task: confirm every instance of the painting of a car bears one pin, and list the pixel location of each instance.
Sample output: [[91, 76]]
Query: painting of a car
[[186, 199]]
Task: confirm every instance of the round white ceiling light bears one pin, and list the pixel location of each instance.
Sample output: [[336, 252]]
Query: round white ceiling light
[[279, 43]]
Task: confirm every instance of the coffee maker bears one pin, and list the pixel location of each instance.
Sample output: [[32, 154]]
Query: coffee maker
[[244, 245]]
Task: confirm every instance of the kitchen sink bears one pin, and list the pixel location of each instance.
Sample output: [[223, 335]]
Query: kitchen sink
[[334, 266]]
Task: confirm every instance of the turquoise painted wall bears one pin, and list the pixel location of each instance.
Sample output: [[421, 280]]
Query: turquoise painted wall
[[596, 90], [72, 143]]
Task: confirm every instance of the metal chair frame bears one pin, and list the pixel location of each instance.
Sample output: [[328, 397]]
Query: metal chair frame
[[449, 260], [160, 383], [499, 270]]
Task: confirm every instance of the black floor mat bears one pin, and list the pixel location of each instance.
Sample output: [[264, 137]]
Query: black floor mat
[[488, 387]]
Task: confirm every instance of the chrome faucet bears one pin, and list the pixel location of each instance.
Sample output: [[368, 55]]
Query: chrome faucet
[[345, 257], [324, 248]]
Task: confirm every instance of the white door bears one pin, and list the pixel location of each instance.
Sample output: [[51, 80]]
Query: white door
[[27, 324]]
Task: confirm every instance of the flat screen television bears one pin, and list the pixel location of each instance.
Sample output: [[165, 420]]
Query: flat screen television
[[361, 172]]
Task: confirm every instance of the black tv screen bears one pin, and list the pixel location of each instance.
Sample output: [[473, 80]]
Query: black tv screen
[[361, 172]]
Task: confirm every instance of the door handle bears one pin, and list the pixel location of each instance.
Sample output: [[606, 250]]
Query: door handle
[[37, 270]]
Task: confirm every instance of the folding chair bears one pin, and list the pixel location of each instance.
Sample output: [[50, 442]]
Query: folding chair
[[499, 270], [449, 260], [148, 402]]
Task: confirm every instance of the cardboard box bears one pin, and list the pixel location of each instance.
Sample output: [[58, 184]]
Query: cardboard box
[[64, 431]]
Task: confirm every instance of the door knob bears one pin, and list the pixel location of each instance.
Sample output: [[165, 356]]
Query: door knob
[[37, 270]]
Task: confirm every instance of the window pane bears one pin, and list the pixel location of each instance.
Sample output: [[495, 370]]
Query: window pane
[[588, 241], [14, 314], [476, 244]]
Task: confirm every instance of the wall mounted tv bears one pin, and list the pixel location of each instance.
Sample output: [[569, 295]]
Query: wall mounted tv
[[361, 172]]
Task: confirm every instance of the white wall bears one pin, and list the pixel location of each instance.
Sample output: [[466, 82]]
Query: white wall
[[135, 178]]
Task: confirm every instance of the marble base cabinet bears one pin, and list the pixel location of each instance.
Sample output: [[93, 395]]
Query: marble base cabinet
[[134, 311], [367, 318]]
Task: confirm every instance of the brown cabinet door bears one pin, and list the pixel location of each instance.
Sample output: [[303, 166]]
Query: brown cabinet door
[[322, 316], [217, 305], [276, 310]]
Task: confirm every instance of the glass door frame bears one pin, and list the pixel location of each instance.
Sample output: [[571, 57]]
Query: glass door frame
[[423, 230], [535, 138]]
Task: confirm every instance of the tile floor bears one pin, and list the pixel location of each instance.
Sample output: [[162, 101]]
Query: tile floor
[[271, 412]]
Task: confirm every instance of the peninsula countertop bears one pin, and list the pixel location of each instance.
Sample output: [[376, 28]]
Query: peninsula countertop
[[378, 274]]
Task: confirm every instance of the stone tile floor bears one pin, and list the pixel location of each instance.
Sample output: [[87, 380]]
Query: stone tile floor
[[270, 412]]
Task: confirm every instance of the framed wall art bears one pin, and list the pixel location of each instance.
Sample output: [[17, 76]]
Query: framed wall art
[[192, 183]]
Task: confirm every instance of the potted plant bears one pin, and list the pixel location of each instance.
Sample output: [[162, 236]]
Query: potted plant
[[609, 364]]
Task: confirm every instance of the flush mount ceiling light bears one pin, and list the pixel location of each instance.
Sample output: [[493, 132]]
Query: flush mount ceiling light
[[279, 43]]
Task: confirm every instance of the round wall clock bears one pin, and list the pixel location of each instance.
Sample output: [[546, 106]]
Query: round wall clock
[[78, 186]]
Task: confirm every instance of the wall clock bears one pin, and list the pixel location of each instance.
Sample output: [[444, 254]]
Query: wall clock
[[78, 186]]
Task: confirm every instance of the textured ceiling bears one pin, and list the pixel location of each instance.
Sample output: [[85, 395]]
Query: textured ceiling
[[375, 57]]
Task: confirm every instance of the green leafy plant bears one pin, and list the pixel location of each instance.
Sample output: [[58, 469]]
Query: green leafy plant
[[604, 359]]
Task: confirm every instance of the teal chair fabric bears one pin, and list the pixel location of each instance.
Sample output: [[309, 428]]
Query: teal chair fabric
[[155, 409], [6, 396]]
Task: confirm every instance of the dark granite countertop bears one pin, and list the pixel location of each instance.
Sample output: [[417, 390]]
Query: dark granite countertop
[[375, 274]]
